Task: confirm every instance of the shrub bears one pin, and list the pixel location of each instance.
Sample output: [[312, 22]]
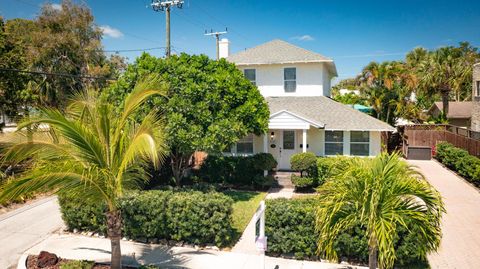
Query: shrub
[[459, 160], [303, 182], [238, 171], [191, 216], [264, 161], [304, 162], [290, 228]]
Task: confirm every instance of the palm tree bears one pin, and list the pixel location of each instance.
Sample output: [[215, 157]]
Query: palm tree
[[379, 194], [90, 151], [441, 72]]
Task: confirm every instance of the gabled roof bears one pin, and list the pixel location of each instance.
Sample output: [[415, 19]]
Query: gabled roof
[[333, 115], [456, 110], [279, 52]]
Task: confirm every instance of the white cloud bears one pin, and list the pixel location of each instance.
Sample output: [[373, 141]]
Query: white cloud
[[111, 32], [304, 38], [56, 6]]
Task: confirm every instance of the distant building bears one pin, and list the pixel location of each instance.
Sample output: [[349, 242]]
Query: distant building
[[459, 113], [347, 91], [475, 122]]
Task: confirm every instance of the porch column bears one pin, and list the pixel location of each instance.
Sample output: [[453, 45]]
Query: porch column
[[265, 149], [304, 148]]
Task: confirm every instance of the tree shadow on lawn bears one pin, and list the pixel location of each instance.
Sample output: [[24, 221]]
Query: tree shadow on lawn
[[238, 196]]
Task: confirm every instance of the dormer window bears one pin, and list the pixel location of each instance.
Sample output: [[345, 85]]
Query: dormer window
[[251, 75], [290, 79]]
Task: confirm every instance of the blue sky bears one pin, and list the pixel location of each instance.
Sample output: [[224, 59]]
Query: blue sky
[[353, 33]]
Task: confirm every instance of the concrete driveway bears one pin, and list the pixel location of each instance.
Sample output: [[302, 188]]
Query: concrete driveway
[[460, 246], [25, 227]]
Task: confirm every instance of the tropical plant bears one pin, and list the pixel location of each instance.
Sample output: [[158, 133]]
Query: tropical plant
[[381, 195], [210, 104], [90, 151]]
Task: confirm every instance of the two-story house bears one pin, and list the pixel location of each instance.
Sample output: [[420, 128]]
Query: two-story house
[[296, 84]]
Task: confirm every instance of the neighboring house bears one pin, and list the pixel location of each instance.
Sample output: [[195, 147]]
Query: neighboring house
[[459, 113], [347, 91], [296, 84], [475, 122]]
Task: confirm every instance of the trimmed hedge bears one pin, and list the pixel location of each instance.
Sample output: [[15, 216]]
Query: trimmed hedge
[[459, 160], [238, 170], [190, 216], [290, 228]]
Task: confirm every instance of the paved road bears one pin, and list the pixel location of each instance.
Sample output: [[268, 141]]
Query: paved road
[[26, 226], [460, 246]]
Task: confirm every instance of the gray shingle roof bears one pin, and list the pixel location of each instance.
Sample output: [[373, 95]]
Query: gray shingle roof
[[321, 109], [279, 52]]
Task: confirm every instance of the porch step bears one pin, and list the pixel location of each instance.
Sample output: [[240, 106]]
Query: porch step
[[284, 179]]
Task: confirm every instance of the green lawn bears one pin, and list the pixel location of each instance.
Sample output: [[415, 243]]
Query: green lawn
[[244, 206]]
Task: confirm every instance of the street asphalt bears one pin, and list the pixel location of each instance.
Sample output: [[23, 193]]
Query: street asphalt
[[25, 227]]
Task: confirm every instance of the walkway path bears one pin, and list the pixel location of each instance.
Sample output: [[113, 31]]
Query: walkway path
[[71, 246], [285, 187], [24, 227], [460, 246]]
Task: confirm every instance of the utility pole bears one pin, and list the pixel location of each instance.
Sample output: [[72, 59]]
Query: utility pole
[[217, 37], [165, 5]]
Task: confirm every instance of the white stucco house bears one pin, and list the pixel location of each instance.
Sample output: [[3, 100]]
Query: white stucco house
[[296, 84]]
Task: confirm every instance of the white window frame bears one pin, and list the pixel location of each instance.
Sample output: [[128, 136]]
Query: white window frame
[[254, 81], [334, 142], [360, 143], [285, 80], [234, 148]]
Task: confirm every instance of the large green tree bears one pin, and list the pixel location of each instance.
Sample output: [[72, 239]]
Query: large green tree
[[209, 105], [90, 151], [379, 194]]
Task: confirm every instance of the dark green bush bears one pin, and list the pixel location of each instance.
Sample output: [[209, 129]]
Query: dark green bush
[[191, 216], [264, 161], [305, 162], [290, 228], [303, 182], [459, 160], [237, 171]]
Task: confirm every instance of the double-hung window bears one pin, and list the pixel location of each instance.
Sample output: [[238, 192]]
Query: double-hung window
[[245, 145], [359, 143], [251, 75], [333, 142], [290, 79]]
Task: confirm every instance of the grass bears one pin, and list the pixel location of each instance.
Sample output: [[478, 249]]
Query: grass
[[244, 206]]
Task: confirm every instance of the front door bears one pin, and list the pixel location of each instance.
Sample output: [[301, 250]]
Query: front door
[[286, 148]]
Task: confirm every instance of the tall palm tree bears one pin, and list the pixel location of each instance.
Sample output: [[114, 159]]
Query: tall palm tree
[[90, 151], [441, 72], [380, 194]]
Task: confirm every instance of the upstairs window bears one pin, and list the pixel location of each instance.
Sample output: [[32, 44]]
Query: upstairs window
[[245, 145], [333, 142], [290, 79], [251, 75], [359, 143]]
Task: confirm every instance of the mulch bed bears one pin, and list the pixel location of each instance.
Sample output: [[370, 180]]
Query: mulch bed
[[32, 264]]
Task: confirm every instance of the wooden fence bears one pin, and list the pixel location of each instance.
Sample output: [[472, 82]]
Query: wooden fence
[[429, 135]]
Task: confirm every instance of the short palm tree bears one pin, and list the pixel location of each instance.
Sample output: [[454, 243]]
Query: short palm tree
[[379, 194], [90, 151]]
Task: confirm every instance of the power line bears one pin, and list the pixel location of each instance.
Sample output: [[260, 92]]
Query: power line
[[132, 50], [165, 5], [54, 74], [217, 38]]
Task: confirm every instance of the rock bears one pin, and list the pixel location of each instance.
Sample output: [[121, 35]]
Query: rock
[[179, 244], [46, 259], [75, 231], [215, 248], [163, 242]]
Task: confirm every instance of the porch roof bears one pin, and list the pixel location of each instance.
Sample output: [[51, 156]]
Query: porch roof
[[327, 113]]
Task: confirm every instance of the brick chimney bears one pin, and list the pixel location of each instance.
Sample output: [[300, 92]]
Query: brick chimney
[[475, 122]]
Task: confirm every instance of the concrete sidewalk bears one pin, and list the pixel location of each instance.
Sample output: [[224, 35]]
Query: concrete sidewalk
[[72, 246], [460, 245]]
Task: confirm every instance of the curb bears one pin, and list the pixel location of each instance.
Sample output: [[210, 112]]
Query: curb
[[22, 262]]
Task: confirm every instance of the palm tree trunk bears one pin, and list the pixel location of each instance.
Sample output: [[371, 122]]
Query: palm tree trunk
[[114, 232], [445, 102], [372, 258]]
